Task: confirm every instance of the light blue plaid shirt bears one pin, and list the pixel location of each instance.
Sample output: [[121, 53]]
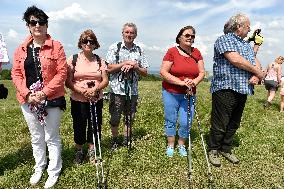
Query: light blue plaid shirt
[[225, 74], [117, 87]]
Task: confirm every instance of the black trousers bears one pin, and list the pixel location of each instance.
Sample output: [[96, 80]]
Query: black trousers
[[80, 112], [227, 110]]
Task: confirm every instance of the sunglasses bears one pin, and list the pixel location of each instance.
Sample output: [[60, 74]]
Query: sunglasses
[[86, 41], [192, 36], [39, 22]]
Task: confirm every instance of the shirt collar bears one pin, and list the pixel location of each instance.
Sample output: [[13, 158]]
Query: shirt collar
[[29, 39]]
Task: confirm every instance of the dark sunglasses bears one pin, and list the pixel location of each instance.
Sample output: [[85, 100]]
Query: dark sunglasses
[[39, 22], [192, 36], [86, 41]]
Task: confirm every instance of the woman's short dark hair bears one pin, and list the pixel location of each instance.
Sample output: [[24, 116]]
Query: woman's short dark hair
[[88, 34], [182, 30], [34, 11]]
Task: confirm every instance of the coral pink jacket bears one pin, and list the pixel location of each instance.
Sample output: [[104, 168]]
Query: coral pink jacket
[[53, 67]]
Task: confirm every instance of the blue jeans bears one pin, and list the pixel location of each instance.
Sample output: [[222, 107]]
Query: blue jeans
[[177, 105]]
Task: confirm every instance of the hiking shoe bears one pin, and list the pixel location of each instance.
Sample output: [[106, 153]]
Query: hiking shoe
[[92, 157], [170, 151], [35, 178], [79, 157], [125, 142], [182, 151], [266, 104], [51, 181], [214, 158], [114, 145], [230, 156]]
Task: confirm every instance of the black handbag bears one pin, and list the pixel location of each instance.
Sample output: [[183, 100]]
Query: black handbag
[[57, 102], [3, 92]]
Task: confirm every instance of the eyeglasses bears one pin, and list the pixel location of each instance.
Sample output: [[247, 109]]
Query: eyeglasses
[[86, 41], [39, 22], [192, 36]]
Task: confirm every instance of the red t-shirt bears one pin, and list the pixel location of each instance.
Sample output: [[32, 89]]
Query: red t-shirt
[[183, 67]]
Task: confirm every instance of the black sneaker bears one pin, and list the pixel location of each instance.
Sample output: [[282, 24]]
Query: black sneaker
[[125, 141], [92, 156], [114, 144], [266, 104], [79, 157]]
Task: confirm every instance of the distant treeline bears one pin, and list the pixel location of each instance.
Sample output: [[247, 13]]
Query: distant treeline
[[6, 75]]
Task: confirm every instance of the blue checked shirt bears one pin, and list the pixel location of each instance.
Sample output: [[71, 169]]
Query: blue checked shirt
[[225, 74], [117, 87]]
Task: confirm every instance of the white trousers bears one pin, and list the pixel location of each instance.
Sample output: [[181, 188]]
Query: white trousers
[[42, 136]]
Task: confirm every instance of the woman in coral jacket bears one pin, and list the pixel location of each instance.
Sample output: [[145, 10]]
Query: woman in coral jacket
[[39, 72]]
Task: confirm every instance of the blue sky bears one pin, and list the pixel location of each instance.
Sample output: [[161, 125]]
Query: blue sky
[[158, 23]]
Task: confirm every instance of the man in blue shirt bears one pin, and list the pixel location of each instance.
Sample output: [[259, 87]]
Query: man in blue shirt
[[235, 72]]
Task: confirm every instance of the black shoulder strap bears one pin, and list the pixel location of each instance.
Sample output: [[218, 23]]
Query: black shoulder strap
[[139, 49], [117, 52], [98, 59], [190, 55], [74, 61]]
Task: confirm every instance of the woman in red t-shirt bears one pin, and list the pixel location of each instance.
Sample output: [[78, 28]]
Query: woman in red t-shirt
[[182, 70]]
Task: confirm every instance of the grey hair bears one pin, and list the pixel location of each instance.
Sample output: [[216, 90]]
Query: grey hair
[[235, 22], [129, 24]]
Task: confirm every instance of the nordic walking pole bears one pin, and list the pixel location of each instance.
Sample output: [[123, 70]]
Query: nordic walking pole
[[189, 118], [127, 112], [94, 140], [97, 145], [99, 148], [210, 176]]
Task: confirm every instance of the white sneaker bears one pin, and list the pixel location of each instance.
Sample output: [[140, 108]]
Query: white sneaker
[[51, 181], [35, 178]]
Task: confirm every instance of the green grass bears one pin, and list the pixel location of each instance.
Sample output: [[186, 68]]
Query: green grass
[[258, 143]]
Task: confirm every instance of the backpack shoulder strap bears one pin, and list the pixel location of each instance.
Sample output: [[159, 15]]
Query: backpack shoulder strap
[[139, 49], [117, 52], [98, 59], [74, 61]]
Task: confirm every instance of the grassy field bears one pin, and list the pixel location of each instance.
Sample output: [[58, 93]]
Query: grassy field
[[259, 144]]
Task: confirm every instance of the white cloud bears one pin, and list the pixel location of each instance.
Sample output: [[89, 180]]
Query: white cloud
[[190, 6], [12, 34], [73, 12]]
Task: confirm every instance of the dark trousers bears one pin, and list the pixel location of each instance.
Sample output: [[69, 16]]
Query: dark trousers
[[227, 109], [80, 112]]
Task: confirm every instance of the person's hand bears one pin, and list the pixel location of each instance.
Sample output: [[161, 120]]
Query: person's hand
[[81, 90], [40, 96], [260, 74], [134, 64], [126, 68], [31, 98], [254, 80], [189, 83], [91, 93]]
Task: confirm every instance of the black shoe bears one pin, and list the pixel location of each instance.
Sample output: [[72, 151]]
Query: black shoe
[[125, 141], [114, 145], [266, 104], [79, 157]]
